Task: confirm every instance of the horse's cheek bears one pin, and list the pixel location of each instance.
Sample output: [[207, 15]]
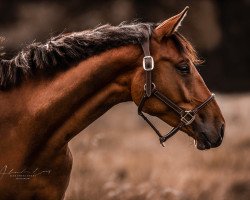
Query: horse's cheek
[[137, 86]]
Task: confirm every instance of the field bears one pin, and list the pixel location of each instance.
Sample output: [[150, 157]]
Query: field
[[119, 158]]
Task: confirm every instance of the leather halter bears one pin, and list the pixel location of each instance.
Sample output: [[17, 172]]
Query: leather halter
[[186, 116]]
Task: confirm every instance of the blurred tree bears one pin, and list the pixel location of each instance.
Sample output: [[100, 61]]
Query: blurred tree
[[232, 69]]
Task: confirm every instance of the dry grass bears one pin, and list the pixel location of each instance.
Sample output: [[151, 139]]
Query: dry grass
[[118, 157]]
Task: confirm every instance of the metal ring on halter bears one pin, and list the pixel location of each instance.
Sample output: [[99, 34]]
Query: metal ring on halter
[[152, 85], [188, 117]]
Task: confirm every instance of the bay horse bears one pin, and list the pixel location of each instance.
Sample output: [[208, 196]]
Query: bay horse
[[50, 92]]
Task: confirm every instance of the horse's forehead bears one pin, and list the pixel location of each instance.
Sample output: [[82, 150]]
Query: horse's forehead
[[171, 51]]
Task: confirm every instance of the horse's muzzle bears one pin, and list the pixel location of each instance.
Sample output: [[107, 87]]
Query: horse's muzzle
[[204, 142], [220, 138]]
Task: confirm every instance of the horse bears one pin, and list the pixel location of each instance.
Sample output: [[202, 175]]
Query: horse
[[50, 92]]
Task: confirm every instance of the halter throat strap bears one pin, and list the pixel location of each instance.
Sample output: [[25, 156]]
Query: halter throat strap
[[186, 116]]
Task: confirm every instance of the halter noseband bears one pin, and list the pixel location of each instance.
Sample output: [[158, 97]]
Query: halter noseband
[[186, 116]]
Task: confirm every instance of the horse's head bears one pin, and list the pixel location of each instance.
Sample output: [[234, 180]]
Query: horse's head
[[176, 76]]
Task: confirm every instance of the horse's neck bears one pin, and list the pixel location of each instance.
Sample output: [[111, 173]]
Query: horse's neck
[[60, 108]]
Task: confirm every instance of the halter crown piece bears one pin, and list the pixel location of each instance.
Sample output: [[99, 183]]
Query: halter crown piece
[[186, 116]]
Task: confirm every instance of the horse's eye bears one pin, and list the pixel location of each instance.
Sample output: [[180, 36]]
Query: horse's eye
[[183, 68]]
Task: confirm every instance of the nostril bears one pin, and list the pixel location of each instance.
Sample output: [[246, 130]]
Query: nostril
[[221, 134], [222, 129]]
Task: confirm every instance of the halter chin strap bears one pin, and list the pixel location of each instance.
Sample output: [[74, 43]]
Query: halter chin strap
[[186, 116]]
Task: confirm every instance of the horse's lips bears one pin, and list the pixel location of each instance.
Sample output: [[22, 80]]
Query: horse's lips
[[200, 145]]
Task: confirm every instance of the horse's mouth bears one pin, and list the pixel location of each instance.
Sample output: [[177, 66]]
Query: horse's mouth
[[203, 143]]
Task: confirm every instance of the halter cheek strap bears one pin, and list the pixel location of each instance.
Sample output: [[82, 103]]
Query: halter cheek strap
[[186, 116], [148, 66]]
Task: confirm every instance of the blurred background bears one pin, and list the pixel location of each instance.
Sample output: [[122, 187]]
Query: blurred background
[[118, 156]]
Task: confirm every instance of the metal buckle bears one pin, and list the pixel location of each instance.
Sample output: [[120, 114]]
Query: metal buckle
[[149, 66], [188, 117], [153, 86]]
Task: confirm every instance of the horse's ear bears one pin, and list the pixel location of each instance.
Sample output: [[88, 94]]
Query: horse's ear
[[170, 25]]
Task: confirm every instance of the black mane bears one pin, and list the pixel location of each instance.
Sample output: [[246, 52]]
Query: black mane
[[66, 50]]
